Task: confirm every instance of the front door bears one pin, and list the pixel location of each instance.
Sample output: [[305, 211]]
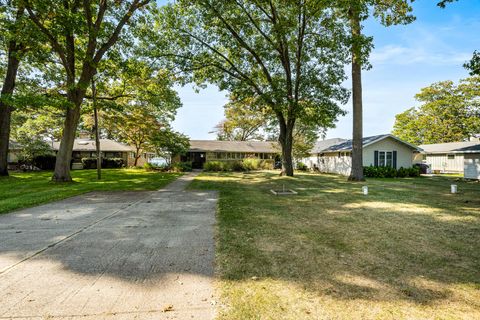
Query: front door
[[198, 159]]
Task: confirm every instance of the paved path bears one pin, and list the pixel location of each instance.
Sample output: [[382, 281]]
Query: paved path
[[111, 255]]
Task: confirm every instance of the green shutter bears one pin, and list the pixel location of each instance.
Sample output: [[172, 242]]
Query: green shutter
[[375, 158], [394, 159]]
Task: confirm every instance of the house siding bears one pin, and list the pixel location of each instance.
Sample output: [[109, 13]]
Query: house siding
[[341, 162], [472, 166], [404, 153], [441, 163]]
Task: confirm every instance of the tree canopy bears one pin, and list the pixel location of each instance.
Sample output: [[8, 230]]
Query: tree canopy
[[448, 113], [289, 55]]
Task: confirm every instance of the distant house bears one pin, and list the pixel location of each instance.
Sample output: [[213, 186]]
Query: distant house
[[335, 155], [454, 157], [202, 151], [86, 148]]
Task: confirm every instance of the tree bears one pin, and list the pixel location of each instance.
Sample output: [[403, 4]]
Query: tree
[[15, 41], [80, 33], [31, 147], [243, 121], [137, 126], [168, 144], [288, 55], [389, 12], [448, 113], [137, 95]]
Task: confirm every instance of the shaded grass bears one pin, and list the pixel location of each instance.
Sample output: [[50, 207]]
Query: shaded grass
[[21, 190], [408, 250]]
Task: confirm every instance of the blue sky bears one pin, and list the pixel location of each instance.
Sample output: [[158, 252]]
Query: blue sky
[[405, 59]]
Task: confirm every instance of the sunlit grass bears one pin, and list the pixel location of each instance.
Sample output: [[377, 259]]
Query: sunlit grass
[[408, 250], [27, 189]]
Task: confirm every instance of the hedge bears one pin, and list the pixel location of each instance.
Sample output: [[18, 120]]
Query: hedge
[[247, 164], [91, 163], [389, 172]]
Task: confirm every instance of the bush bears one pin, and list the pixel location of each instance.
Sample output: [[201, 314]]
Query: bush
[[214, 166], [45, 162], [302, 166], [150, 167], [89, 163], [402, 172], [112, 163], [181, 167], [388, 172], [107, 163], [414, 172], [237, 166], [251, 164]]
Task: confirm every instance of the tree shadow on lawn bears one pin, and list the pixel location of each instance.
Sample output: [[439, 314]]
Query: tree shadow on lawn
[[397, 243]]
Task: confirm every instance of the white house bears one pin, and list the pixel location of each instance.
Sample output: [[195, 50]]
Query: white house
[[453, 157], [386, 150]]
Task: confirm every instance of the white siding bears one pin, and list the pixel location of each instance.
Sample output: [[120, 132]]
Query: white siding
[[472, 166], [440, 162], [333, 163]]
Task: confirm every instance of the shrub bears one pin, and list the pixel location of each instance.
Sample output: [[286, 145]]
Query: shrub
[[107, 163], [267, 164], [45, 162], [302, 166], [214, 166], [149, 166], [112, 163], [388, 172], [251, 164], [402, 172], [89, 163], [237, 166], [181, 167], [414, 172]]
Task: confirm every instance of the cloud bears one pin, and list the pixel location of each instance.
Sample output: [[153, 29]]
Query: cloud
[[403, 55]]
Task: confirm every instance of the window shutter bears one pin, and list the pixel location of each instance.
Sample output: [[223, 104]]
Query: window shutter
[[394, 159], [375, 159]]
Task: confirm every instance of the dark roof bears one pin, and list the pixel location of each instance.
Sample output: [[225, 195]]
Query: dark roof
[[324, 144], [452, 147], [89, 145], [346, 145], [234, 146]]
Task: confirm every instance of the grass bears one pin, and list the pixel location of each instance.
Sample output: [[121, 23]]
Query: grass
[[21, 190], [408, 250]]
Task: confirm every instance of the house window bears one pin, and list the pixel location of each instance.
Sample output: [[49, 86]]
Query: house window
[[451, 156], [385, 159]]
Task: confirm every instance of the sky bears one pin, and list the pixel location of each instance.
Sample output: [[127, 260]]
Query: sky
[[404, 59]]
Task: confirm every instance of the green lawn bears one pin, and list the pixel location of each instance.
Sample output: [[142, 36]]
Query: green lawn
[[22, 190], [408, 250]]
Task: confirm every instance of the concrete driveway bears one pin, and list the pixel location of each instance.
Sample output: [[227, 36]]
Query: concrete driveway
[[119, 255]]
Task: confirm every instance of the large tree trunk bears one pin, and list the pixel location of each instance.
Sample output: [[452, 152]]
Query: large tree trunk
[[356, 173], [286, 142], [64, 154], [5, 107]]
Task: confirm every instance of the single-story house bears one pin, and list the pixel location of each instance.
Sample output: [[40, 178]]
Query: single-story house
[[201, 151], [453, 157], [386, 150], [86, 148]]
